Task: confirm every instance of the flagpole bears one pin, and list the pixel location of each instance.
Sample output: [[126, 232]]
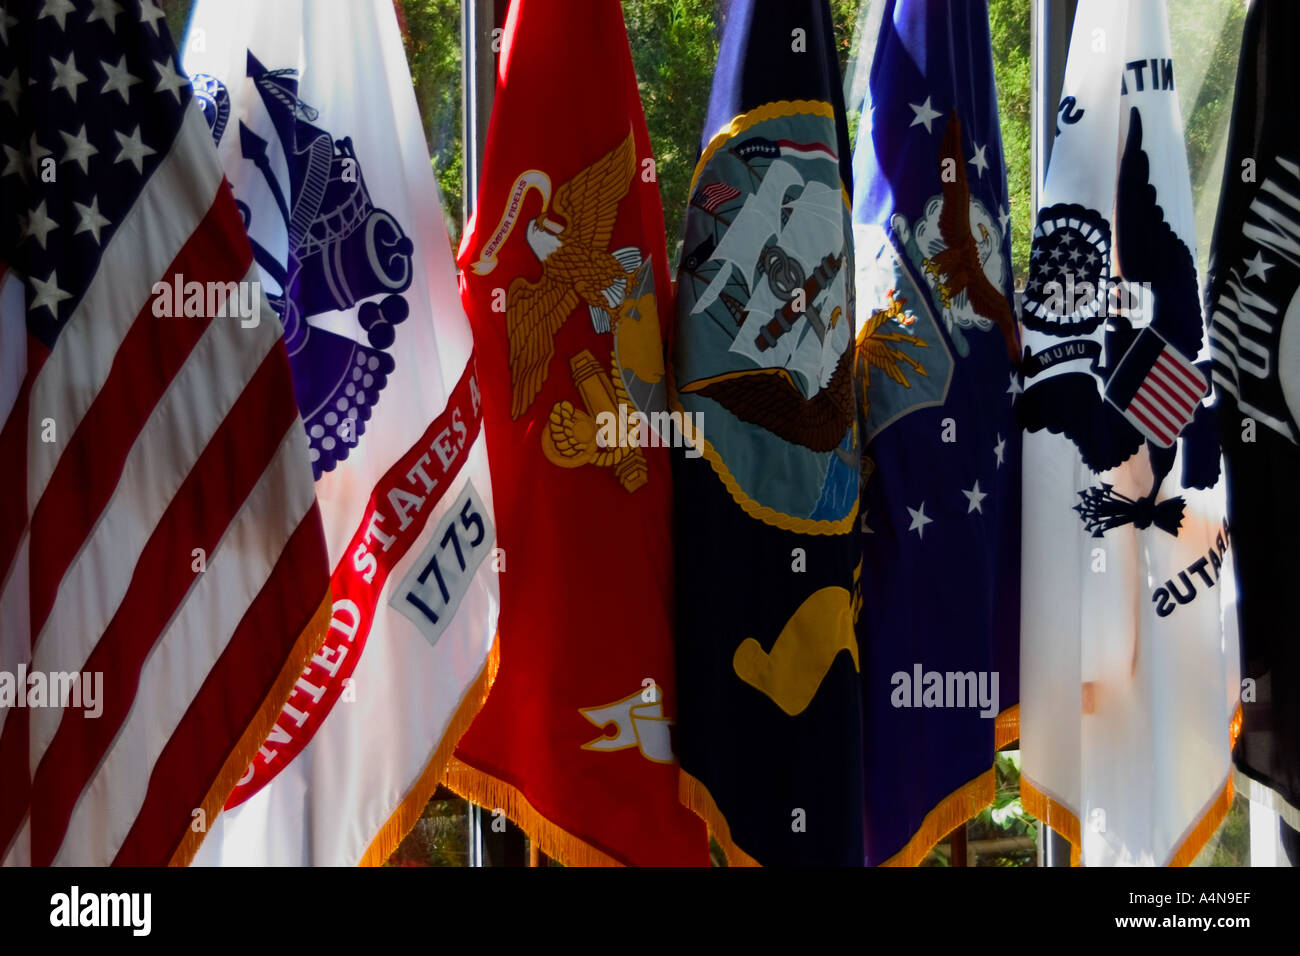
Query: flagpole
[[478, 20], [1050, 25]]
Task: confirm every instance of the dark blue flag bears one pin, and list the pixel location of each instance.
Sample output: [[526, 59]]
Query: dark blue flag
[[769, 719], [936, 346]]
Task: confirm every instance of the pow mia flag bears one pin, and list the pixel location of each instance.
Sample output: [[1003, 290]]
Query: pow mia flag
[[1253, 301]]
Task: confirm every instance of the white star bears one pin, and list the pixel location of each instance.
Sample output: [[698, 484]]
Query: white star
[[169, 81], [58, 9], [117, 78], [924, 114], [1004, 217], [6, 22], [999, 449], [978, 160], [919, 520], [14, 162], [67, 76], [1258, 266], [1014, 388], [91, 220], [35, 153], [78, 149], [106, 10], [975, 497], [133, 149], [11, 90], [149, 13], [39, 224], [48, 294]]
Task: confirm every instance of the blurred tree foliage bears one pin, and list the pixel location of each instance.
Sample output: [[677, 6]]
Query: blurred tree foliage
[[432, 38], [1009, 26], [674, 47]]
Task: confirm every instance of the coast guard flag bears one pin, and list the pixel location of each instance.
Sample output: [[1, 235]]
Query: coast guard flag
[[1129, 647], [767, 489], [936, 351], [314, 116], [564, 276], [163, 575], [1253, 288]]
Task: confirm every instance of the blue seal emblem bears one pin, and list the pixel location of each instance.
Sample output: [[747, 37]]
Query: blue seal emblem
[[342, 253]]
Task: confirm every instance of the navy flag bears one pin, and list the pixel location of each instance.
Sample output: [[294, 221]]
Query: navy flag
[[1253, 303], [935, 373], [769, 727]]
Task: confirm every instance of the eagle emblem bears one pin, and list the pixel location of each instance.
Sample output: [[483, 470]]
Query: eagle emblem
[[570, 238], [571, 241]]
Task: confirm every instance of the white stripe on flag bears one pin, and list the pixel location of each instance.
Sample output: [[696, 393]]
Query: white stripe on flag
[[193, 641], [151, 235], [190, 411]]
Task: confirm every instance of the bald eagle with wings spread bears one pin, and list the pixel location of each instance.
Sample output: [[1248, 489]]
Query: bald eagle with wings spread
[[577, 267]]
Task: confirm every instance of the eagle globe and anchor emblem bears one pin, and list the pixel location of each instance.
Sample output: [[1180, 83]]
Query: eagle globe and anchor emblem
[[342, 251]]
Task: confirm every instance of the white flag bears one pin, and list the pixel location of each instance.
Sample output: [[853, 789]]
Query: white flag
[[1129, 647], [316, 123]]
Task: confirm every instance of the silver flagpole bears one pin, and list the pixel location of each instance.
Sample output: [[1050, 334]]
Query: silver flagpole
[[478, 74], [1050, 25]]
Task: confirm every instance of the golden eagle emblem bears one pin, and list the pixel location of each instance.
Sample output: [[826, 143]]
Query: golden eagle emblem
[[577, 267]]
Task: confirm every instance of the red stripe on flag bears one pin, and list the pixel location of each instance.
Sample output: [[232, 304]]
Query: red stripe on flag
[[1170, 394], [150, 355], [13, 502], [1157, 398], [230, 698], [1144, 399], [197, 517], [13, 453], [1175, 368], [1145, 414], [15, 795]]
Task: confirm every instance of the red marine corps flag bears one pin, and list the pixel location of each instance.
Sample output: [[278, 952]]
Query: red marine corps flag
[[565, 281]]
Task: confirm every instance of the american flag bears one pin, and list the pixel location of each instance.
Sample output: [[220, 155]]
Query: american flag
[[710, 197], [1156, 389], [159, 522]]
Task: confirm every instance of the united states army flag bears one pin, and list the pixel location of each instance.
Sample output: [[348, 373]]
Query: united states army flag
[[315, 120]]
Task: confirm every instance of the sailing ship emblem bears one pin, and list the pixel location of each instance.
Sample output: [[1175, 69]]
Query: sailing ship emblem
[[765, 301]]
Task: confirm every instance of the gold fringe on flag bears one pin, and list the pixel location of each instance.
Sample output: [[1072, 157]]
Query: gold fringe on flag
[[1064, 822], [1200, 832], [1054, 813], [493, 794], [951, 812], [409, 811], [695, 797], [255, 734], [963, 804], [1006, 727]]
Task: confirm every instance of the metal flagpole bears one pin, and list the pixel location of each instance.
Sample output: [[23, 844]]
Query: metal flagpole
[[477, 75], [1050, 25]]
